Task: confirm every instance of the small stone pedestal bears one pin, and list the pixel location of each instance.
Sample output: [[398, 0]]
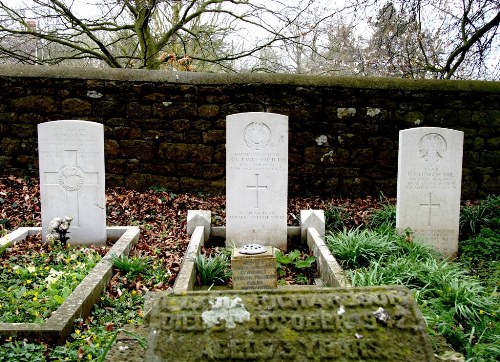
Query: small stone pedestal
[[254, 271]]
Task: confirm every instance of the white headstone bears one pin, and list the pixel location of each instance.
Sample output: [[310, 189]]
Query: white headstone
[[429, 182], [71, 158], [256, 179]]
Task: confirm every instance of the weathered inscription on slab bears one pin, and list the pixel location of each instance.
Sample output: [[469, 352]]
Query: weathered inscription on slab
[[429, 180], [71, 158], [256, 179], [375, 323], [254, 271]]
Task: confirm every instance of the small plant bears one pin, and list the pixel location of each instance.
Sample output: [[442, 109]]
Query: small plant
[[213, 269], [294, 259], [130, 266], [58, 229]]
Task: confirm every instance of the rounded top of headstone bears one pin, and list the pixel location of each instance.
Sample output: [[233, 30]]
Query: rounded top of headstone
[[252, 249]]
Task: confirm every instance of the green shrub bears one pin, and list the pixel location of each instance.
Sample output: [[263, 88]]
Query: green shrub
[[212, 269]]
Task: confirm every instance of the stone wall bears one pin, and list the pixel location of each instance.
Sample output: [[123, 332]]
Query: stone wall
[[168, 129]]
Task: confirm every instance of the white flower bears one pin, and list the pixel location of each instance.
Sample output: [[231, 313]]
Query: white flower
[[50, 238], [31, 269], [64, 226], [53, 276], [69, 219], [54, 224]]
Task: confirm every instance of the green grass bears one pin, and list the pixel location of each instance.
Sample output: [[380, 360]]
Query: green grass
[[356, 247], [459, 299], [34, 284]]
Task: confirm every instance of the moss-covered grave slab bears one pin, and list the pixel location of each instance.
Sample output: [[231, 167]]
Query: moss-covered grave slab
[[341, 324]]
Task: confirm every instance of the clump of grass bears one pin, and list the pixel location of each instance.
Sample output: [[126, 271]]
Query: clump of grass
[[484, 215], [384, 217], [456, 305], [481, 255], [214, 269], [130, 266], [334, 218], [354, 248]]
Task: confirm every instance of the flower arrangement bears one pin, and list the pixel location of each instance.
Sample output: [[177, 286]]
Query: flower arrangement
[[58, 229]]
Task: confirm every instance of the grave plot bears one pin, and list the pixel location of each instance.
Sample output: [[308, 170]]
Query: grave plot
[[71, 163], [256, 207], [79, 303]]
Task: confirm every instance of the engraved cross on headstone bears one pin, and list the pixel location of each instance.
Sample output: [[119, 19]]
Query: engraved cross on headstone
[[257, 187], [68, 178], [430, 205]]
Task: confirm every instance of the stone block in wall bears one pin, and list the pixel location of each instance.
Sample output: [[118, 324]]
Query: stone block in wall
[[195, 185], [213, 171], [411, 119], [364, 129], [493, 143], [76, 106], [214, 136], [178, 110], [114, 180], [10, 146], [159, 168], [181, 125], [360, 186], [381, 143], [491, 184], [108, 108], [138, 110], [326, 155], [6, 164], [193, 137], [127, 132], [442, 118], [486, 118], [185, 152], [24, 130], [189, 169], [362, 157], [111, 148], [208, 111], [162, 135], [220, 154], [31, 118], [143, 150], [350, 140], [490, 159], [141, 181], [122, 166], [35, 104], [202, 125]]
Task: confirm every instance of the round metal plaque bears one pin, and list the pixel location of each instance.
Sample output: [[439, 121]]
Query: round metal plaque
[[252, 249]]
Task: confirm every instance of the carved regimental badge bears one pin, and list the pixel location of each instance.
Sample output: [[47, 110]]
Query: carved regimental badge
[[432, 147], [71, 178], [257, 135]]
